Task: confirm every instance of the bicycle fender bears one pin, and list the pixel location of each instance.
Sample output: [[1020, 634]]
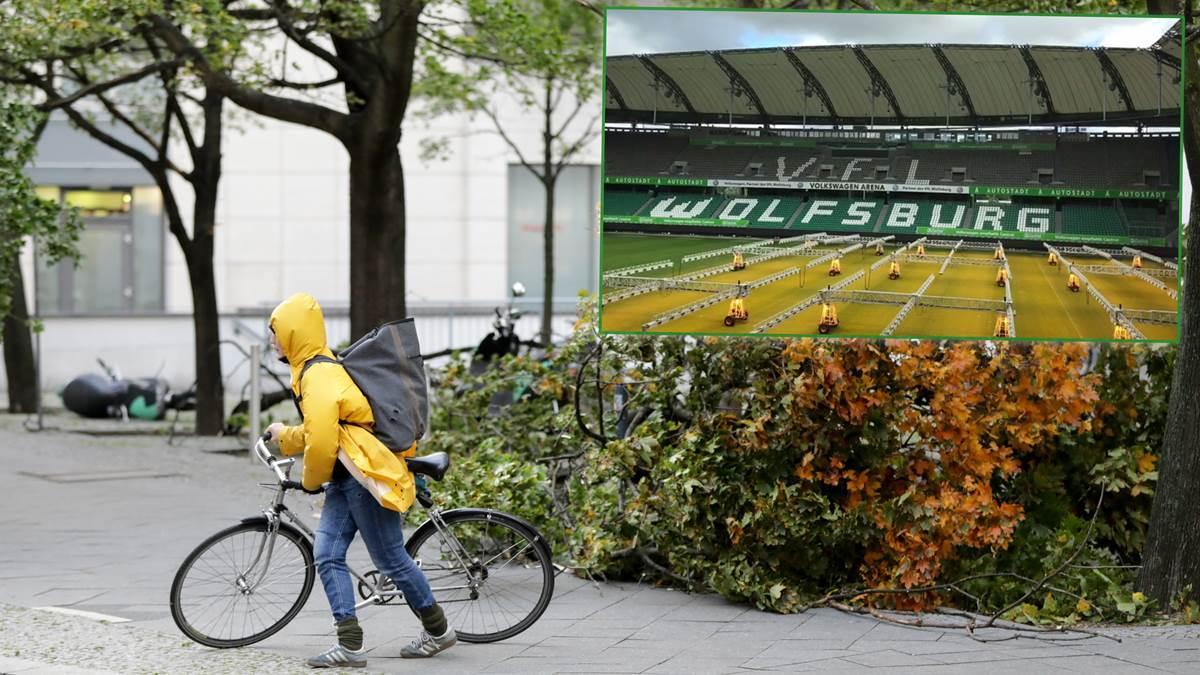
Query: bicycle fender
[[282, 526]]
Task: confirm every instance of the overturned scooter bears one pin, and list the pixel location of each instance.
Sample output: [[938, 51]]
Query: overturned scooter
[[104, 396]]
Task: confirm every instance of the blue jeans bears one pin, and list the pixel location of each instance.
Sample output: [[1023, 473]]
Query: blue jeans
[[349, 509]]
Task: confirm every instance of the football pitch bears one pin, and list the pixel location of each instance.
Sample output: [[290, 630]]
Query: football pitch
[[783, 291]]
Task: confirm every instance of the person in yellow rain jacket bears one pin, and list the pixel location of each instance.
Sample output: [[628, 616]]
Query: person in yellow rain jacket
[[337, 416]]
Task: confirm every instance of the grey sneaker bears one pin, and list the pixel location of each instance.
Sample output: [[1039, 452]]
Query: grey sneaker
[[338, 656], [427, 645]]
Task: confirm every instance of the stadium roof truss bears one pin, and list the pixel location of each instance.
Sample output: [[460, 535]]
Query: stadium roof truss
[[616, 95], [919, 85], [1037, 82], [739, 86], [812, 85], [879, 85], [954, 83]]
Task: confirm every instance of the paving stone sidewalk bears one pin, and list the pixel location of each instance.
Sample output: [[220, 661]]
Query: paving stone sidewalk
[[100, 524]]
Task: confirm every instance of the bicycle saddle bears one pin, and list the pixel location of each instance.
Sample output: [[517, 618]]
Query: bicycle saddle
[[434, 465]]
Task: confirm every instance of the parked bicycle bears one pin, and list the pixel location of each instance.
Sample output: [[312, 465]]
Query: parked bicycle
[[491, 571]]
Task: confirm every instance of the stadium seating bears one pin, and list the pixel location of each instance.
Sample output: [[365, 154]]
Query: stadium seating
[[902, 218], [1092, 218], [682, 206], [642, 154], [837, 215], [1145, 221], [777, 211], [623, 203], [1077, 162], [904, 215]]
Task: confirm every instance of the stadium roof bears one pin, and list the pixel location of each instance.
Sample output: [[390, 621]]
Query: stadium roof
[[987, 85]]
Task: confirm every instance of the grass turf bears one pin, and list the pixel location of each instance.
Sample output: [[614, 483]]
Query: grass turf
[[627, 250], [1044, 307]]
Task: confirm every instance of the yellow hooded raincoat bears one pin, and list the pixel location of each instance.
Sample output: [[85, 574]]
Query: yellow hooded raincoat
[[329, 397]]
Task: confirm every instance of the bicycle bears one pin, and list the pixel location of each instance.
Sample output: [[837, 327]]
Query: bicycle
[[246, 582]]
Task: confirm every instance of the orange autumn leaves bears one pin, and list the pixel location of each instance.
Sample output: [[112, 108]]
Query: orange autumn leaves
[[917, 439]]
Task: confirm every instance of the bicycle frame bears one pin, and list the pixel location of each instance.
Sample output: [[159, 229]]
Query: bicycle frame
[[379, 595]]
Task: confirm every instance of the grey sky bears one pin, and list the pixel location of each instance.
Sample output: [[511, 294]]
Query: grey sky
[[650, 32]]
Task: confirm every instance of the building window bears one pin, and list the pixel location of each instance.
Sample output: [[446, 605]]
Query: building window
[[120, 270]]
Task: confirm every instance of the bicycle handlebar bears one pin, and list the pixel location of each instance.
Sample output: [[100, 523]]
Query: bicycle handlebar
[[295, 485], [275, 464]]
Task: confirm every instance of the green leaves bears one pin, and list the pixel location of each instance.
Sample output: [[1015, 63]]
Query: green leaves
[[23, 214]]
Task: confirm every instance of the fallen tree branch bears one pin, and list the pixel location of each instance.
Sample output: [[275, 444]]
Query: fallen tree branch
[[1058, 570]]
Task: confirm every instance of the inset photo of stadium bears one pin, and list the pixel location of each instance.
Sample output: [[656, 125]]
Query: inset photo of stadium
[[903, 175]]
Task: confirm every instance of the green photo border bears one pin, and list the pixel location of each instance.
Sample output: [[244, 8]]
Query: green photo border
[[1179, 197]]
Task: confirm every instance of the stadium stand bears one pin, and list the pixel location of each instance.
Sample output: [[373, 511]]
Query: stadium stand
[[996, 167], [642, 154], [1146, 221], [760, 211], [903, 215], [624, 203], [1078, 161], [1092, 218], [682, 206], [837, 215]]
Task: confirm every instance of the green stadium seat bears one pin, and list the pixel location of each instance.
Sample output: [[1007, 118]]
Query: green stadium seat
[[683, 206], [1092, 219], [1145, 221], [906, 214], [760, 211], [837, 215], [623, 203]]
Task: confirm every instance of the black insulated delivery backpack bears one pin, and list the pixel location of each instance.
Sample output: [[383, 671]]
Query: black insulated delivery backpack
[[387, 367]]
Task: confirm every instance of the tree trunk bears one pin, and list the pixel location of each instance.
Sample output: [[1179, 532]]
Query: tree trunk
[[376, 237], [1171, 558], [1163, 7], [206, 331], [18, 351], [548, 252], [549, 181]]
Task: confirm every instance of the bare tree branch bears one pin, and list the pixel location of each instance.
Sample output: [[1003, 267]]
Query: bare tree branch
[[100, 87], [173, 107], [567, 154], [515, 148], [590, 7], [277, 107], [466, 55], [579, 104], [347, 72], [304, 86], [82, 77]]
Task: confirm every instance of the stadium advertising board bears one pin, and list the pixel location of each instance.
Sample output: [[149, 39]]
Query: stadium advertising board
[[648, 220], [788, 184], [650, 180], [1111, 240], [1071, 192], [979, 190], [841, 185]]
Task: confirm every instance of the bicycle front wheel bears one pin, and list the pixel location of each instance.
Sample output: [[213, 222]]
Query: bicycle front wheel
[[491, 573], [242, 585]]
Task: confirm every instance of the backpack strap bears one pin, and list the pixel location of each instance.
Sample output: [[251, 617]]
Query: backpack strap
[[319, 358]]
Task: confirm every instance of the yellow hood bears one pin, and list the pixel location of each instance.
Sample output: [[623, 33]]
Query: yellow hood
[[300, 326]]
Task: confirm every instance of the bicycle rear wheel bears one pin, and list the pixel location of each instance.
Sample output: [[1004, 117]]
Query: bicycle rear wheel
[[226, 594], [492, 574]]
